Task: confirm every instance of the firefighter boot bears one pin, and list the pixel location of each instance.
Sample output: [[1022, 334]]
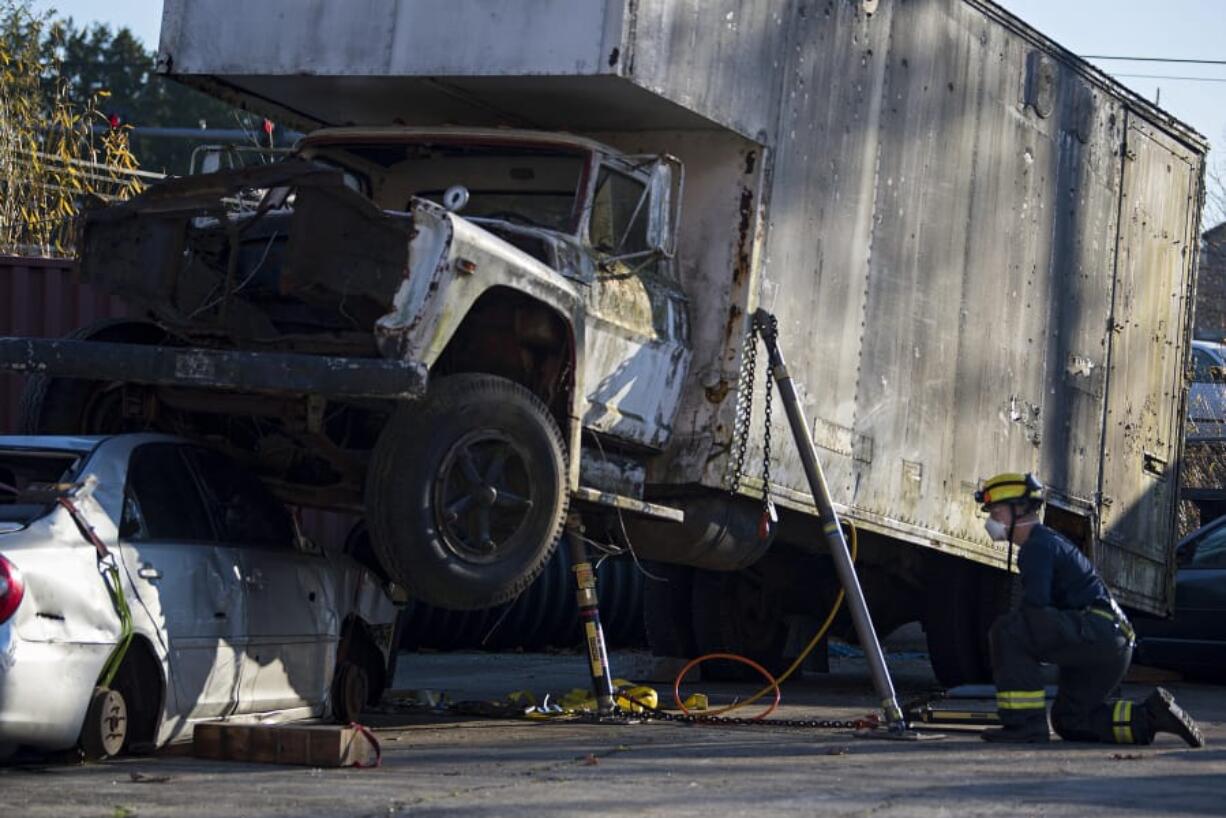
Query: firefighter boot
[[1168, 717], [1035, 731]]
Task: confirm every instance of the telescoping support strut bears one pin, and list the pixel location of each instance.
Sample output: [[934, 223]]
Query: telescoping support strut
[[767, 327], [589, 618]]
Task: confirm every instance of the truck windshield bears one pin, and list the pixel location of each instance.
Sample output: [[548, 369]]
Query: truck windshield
[[619, 214], [21, 470], [532, 186]]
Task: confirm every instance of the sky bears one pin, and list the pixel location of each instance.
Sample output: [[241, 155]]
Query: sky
[[1183, 29]]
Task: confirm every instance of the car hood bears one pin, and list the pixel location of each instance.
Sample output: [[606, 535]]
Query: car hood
[[1207, 402]]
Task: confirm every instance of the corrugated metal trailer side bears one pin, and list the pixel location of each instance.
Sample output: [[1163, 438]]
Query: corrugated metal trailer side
[[981, 254]]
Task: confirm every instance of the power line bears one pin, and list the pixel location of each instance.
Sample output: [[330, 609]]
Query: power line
[[1152, 59], [1165, 77]]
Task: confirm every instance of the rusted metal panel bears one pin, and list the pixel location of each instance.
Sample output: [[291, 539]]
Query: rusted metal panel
[[250, 372], [1145, 380], [941, 247], [820, 230], [557, 64], [44, 298]]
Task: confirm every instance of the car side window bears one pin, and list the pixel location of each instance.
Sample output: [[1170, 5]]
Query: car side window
[[162, 501], [1210, 551], [245, 510]]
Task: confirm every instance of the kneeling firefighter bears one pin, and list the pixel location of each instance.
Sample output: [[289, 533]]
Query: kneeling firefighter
[[1068, 618]]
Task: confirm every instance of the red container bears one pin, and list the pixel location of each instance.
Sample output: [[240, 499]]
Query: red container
[[44, 298]]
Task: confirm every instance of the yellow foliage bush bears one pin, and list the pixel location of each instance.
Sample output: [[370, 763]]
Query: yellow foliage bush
[[51, 154]]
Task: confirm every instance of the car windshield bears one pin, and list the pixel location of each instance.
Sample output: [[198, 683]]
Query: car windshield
[[21, 473], [528, 185], [1210, 550], [1202, 363]]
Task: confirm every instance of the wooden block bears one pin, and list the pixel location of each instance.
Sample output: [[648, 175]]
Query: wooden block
[[309, 745]]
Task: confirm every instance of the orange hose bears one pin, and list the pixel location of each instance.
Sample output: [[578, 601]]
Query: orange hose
[[772, 682], [735, 658]]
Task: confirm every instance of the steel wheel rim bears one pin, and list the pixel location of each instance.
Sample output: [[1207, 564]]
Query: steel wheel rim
[[483, 496]]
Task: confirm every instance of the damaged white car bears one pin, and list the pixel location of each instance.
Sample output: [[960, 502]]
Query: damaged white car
[[148, 583]]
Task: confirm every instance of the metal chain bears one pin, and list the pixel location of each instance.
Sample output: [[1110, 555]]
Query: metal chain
[[505, 710], [656, 714], [769, 332], [810, 724], [744, 409]]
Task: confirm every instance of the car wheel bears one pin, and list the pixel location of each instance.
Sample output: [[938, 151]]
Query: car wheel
[[350, 692], [106, 725], [466, 493], [66, 406]]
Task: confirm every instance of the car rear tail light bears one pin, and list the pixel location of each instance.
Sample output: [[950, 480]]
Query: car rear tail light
[[12, 589]]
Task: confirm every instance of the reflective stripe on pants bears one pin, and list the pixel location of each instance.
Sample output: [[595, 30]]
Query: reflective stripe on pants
[[1121, 722], [1021, 699]]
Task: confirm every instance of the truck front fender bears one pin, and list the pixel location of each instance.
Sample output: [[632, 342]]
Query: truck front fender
[[454, 265]]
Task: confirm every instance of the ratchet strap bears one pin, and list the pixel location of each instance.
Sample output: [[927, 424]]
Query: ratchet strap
[[110, 572]]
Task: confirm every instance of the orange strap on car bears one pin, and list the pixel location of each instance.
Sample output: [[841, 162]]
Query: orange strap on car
[[87, 530], [374, 742]]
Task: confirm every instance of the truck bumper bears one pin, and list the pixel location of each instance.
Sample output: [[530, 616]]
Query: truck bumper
[[231, 370]]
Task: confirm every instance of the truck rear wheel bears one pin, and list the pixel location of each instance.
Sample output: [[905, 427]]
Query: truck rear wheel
[[666, 610], [73, 406], [466, 492], [963, 601], [734, 612]]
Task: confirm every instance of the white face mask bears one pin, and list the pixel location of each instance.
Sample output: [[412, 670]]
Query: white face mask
[[997, 530]]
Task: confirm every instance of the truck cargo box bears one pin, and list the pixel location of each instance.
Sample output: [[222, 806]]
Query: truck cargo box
[[979, 247]]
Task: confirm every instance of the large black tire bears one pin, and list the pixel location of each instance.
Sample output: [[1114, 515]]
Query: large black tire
[[71, 406], [466, 493], [963, 601], [734, 613], [666, 610]]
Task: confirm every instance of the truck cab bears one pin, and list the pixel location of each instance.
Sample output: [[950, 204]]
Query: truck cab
[[603, 221]]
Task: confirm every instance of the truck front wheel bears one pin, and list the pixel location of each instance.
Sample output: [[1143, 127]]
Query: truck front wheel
[[466, 492]]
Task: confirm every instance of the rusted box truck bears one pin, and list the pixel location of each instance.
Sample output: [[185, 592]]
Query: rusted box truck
[[507, 274]]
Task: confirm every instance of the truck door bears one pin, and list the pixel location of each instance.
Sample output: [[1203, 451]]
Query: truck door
[[636, 351], [1145, 388]]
